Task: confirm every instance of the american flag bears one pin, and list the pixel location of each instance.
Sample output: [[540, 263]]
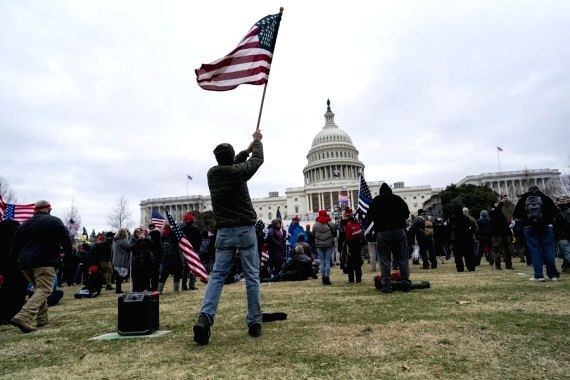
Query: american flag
[[190, 255], [72, 224], [157, 219], [248, 63], [364, 198], [19, 213]]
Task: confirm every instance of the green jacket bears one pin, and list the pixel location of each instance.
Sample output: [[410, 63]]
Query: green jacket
[[228, 188]]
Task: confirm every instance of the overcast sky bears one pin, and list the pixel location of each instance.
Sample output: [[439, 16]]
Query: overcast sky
[[99, 98]]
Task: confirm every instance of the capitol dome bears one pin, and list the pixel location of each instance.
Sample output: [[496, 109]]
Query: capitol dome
[[332, 156]]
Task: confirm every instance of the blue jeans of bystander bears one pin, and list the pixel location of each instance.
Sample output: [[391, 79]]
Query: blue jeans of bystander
[[228, 240]]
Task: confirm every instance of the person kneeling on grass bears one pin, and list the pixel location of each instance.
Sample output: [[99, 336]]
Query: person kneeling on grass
[[93, 284]]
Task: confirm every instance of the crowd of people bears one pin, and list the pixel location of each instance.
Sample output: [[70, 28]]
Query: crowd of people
[[40, 252]]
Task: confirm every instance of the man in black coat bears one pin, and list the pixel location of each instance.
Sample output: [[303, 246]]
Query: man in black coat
[[38, 243], [537, 212], [13, 283], [389, 213]]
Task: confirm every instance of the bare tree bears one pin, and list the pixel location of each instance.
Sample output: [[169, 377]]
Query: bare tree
[[72, 213], [557, 187], [6, 192], [121, 216]]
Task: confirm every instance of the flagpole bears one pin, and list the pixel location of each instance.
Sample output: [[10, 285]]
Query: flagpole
[[499, 160], [265, 85]]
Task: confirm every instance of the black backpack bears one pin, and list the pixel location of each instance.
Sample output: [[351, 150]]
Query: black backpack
[[533, 208]]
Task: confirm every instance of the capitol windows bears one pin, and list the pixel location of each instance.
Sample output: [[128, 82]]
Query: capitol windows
[[269, 215], [296, 209]]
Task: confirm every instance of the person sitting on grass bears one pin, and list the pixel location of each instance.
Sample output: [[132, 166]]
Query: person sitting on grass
[[298, 267], [93, 284]]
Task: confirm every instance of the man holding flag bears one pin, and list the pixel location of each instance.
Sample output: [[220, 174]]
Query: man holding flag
[[235, 221]]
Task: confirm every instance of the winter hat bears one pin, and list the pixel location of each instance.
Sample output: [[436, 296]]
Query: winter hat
[[533, 189], [295, 219], [93, 269], [348, 211], [189, 217], [225, 154], [323, 217]]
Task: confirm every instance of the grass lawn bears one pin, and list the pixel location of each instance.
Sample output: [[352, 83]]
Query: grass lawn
[[486, 324]]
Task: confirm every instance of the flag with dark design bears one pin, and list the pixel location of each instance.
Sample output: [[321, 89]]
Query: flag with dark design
[[192, 260], [19, 213], [499, 149], [248, 63], [85, 233], [364, 199], [157, 219], [72, 225], [278, 215]]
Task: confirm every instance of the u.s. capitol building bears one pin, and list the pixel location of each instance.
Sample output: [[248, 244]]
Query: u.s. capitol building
[[331, 179]]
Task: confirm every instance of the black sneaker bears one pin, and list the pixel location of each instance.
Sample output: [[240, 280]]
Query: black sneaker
[[255, 329], [202, 330]]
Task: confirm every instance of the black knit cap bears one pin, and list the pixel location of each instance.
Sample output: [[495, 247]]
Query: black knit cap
[[224, 154]]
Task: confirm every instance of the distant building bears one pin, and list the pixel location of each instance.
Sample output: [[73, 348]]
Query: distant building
[[512, 183], [330, 182]]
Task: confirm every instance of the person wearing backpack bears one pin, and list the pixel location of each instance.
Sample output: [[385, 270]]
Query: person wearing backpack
[[501, 235], [422, 228], [537, 212]]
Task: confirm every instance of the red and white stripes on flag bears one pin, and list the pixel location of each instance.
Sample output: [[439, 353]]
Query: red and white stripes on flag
[[192, 260], [248, 63], [19, 213]]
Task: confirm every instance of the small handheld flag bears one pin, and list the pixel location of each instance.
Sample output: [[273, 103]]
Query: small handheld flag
[[157, 219]]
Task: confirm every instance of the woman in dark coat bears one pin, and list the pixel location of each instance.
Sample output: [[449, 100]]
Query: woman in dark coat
[[142, 263], [276, 243]]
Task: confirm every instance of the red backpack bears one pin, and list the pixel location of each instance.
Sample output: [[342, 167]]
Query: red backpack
[[352, 230]]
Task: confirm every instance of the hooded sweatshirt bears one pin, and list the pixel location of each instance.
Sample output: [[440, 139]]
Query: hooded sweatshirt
[[388, 211]]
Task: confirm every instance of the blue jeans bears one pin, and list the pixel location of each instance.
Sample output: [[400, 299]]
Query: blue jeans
[[228, 240], [325, 257], [564, 246], [540, 243]]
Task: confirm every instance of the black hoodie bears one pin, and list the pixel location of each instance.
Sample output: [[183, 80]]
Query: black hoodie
[[388, 211]]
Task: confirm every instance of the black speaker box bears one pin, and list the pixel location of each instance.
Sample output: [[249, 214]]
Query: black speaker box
[[138, 313]]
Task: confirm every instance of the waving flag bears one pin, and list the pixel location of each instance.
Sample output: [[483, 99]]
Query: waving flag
[[19, 213], [499, 149], [248, 63], [157, 219], [364, 199], [190, 255]]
